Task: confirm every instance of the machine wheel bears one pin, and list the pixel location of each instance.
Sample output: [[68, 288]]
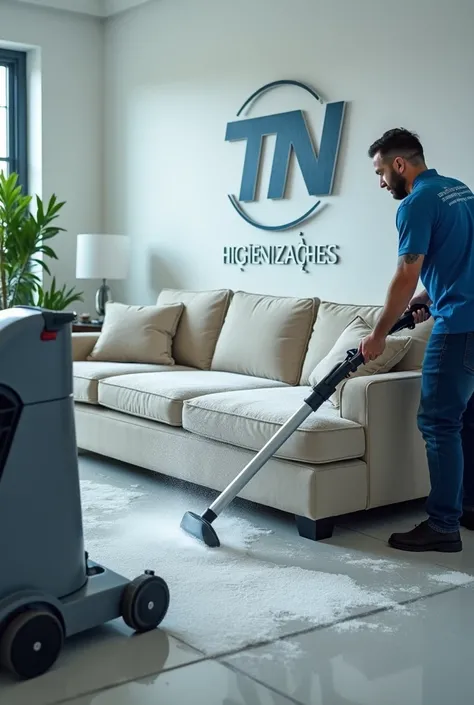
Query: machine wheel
[[31, 643], [145, 602]]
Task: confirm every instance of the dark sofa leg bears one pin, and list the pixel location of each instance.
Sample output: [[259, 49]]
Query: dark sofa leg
[[315, 530]]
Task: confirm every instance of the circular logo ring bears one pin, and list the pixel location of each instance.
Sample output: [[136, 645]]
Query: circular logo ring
[[234, 201]]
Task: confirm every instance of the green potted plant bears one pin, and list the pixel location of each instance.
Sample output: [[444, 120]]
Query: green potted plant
[[25, 249]]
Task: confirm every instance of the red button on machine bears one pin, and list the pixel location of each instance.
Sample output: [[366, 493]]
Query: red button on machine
[[48, 335]]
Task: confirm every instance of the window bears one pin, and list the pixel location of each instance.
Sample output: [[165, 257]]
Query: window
[[13, 130]]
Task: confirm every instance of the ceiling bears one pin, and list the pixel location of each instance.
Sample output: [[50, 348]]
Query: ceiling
[[97, 8]]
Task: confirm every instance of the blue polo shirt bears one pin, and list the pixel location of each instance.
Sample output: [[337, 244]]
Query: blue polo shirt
[[437, 220]]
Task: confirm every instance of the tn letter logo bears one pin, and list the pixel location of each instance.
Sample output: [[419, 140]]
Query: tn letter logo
[[292, 135]]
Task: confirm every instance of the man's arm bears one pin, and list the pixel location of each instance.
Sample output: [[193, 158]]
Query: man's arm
[[400, 292], [414, 224], [423, 298]]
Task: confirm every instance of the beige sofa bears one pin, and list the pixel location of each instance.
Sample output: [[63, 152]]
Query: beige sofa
[[240, 366]]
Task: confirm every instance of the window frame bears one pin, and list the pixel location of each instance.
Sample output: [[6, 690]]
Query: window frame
[[15, 61]]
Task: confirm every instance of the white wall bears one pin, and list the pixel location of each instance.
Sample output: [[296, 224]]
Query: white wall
[[113, 6], [66, 157], [97, 8], [91, 7], [176, 73]]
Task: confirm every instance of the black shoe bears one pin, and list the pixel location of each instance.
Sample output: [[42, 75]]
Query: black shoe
[[467, 519], [424, 538]]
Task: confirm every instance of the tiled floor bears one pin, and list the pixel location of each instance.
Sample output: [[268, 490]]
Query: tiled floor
[[421, 655]]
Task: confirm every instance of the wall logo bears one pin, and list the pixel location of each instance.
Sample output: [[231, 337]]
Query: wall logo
[[292, 136]]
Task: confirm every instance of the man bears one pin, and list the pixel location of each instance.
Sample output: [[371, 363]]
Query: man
[[435, 222]]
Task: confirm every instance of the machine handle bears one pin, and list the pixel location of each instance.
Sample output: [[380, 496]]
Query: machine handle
[[53, 320], [407, 320], [355, 359], [327, 386]]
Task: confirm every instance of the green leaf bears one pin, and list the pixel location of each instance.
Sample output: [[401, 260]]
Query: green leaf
[[23, 237], [57, 299], [48, 251]]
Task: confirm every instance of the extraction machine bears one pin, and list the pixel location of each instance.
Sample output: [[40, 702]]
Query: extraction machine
[[49, 589]]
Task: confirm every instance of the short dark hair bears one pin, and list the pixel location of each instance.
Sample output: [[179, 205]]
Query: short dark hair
[[398, 142]]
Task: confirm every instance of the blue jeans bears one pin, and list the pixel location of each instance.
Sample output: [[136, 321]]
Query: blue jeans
[[446, 421]]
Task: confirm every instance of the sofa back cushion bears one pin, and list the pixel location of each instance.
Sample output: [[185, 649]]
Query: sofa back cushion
[[199, 326], [333, 318], [265, 336], [138, 334]]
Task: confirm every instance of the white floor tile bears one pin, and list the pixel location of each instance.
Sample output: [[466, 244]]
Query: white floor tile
[[206, 683], [422, 656], [380, 524], [99, 659]]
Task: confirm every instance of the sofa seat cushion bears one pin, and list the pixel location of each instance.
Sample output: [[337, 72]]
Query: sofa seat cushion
[[250, 418], [86, 376], [160, 397]]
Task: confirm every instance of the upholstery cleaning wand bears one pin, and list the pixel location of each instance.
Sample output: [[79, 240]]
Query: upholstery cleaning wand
[[201, 526]]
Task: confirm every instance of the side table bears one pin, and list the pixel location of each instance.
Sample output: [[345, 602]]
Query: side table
[[78, 327]]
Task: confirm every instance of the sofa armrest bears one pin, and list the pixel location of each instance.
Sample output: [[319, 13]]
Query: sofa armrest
[[386, 405], [83, 344]]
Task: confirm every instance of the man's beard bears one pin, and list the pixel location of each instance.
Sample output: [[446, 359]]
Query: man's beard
[[398, 187]]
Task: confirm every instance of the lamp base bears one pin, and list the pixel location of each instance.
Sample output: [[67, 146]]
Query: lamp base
[[101, 298]]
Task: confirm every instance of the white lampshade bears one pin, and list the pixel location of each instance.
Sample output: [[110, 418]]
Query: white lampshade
[[102, 256]]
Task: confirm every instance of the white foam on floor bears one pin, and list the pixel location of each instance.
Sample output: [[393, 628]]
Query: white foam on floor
[[377, 565], [452, 578], [355, 625], [227, 598], [102, 503], [224, 599], [410, 590], [221, 599]]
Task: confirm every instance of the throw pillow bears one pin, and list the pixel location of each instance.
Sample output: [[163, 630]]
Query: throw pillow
[[396, 347], [142, 334]]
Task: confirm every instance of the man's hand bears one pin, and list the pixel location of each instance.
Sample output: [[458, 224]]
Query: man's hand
[[372, 347], [422, 314]]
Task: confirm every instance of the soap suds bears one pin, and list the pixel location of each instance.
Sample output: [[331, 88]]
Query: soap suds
[[453, 578], [377, 565], [354, 625], [411, 590], [223, 599], [102, 503]]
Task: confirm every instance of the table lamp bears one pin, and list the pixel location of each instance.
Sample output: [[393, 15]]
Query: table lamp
[[102, 257]]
